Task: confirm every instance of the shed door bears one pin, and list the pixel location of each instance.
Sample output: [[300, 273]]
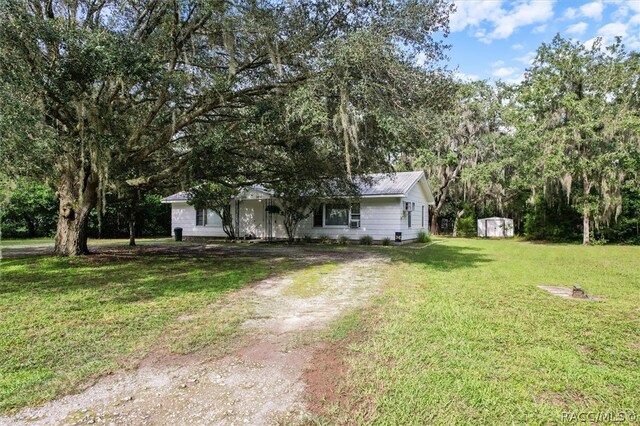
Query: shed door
[[492, 228]]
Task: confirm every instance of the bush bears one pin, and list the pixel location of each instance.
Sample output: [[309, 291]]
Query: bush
[[386, 241], [366, 240], [306, 238], [324, 239], [343, 239], [423, 237], [466, 227]]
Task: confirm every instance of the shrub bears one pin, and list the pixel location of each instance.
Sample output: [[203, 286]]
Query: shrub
[[423, 237], [324, 239], [386, 241], [366, 240], [466, 227], [343, 239], [306, 238], [595, 241]]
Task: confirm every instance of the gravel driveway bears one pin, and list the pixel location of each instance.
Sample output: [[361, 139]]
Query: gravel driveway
[[258, 383]]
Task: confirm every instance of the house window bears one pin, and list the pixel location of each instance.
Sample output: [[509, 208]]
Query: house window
[[317, 217], [212, 219], [200, 215], [336, 215], [409, 219], [422, 216], [355, 216]]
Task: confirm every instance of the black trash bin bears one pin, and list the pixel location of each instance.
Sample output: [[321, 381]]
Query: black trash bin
[[177, 234]]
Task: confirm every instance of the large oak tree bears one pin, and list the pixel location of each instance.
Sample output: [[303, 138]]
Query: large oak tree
[[576, 112], [104, 94]]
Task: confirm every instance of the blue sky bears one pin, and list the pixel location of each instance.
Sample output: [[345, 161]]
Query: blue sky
[[495, 39]]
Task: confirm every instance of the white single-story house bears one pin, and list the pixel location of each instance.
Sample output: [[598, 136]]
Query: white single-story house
[[391, 204], [495, 227]]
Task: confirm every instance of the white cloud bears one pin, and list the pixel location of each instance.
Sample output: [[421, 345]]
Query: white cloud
[[472, 13], [501, 22], [497, 64], [465, 77], [528, 58], [620, 13], [515, 80], [591, 10], [571, 13], [421, 59], [609, 32], [503, 72], [521, 15], [577, 29], [518, 46], [612, 30], [634, 21], [540, 29]]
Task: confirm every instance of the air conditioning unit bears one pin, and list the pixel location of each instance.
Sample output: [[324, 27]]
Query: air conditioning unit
[[409, 206], [354, 224]]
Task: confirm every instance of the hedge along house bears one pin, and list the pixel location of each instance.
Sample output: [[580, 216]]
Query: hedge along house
[[391, 204]]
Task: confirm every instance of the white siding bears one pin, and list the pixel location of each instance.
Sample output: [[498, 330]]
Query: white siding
[[252, 218], [252, 215], [379, 218], [184, 216], [416, 195]]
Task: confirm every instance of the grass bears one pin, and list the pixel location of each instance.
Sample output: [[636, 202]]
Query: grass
[[64, 320], [91, 242], [462, 335], [25, 241], [308, 282]]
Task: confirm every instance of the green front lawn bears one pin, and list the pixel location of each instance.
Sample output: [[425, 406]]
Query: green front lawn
[[463, 335], [64, 320], [91, 242], [25, 241]]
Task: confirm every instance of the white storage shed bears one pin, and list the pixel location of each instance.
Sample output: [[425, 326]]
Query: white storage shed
[[495, 227]]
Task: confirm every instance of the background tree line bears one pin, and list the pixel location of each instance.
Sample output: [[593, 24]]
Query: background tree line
[[559, 152], [108, 104]]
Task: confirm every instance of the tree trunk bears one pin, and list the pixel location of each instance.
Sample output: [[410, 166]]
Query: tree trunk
[[586, 210], [132, 230], [444, 192], [132, 218], [77, 199], [435, 226], [455, 224], [31, 228], [585, 224]]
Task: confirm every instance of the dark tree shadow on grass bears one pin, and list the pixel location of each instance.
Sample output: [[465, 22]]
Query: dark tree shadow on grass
[[129, 275], [443, 257]]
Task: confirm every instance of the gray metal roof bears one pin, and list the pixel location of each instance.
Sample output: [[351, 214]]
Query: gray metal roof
[[396, 184], [180, 196], [381, 185]]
